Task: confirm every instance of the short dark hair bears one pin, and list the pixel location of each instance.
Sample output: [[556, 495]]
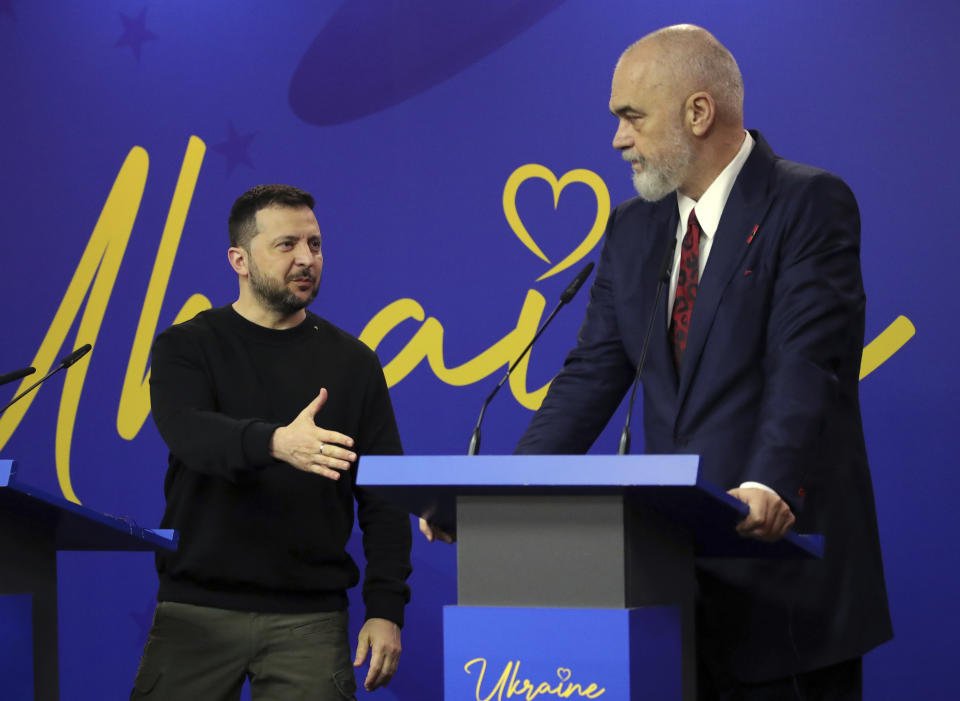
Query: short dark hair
[[242, 223]]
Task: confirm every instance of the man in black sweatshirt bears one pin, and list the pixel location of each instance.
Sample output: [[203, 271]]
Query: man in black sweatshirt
[[266, 408]]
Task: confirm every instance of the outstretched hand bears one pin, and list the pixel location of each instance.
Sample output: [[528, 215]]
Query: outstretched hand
[[769, 519], [381, 638], [307, 447]]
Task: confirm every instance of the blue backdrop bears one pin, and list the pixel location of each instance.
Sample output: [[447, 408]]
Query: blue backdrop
[[446, 144]]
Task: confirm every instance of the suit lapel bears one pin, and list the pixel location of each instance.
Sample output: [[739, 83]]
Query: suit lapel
[[660, 354], [745, 209]]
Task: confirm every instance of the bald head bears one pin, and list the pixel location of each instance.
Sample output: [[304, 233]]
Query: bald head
[[678, 98], [688, 59]]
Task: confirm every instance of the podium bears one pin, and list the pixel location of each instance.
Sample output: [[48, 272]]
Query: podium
[[33, 527], [575, 574]]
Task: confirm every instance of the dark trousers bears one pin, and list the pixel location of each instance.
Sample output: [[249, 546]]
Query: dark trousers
[[197, 652], [839, 682]]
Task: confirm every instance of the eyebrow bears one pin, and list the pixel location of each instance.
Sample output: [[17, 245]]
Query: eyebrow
[[282, 238]]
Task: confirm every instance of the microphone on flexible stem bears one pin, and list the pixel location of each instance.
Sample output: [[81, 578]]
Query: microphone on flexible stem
[[665, 268], [73, 357], [16, 375], [565, 297], [64, 363]]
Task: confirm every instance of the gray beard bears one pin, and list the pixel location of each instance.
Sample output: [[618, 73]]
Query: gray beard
[[654, 185], [657, 180]]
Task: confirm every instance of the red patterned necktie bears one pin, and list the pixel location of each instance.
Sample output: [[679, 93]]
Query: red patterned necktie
[[687, 279]]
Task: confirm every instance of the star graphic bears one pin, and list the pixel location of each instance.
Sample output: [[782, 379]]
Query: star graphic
[[235, 148], [135, 32]]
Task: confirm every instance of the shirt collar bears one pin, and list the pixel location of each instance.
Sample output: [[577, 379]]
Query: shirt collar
[[714, 199]]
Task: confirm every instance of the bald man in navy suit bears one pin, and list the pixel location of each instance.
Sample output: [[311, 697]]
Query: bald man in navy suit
[[753, 364]]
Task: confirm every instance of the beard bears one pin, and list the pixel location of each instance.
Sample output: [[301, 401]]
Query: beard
[[659, 178], [277, 296]]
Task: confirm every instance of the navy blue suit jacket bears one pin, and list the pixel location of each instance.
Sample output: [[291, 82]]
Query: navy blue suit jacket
[[768, 392]]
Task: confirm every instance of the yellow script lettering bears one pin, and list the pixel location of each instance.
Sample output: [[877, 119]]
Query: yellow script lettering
[[427, 343], [96, 273], [524, 687], [501, 682], [880, 349], [135, 396]]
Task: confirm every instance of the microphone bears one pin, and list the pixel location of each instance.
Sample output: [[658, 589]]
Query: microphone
[[75, 356], [565, 298], [572, 289], [16, 375], [665, 268], [64, 363]]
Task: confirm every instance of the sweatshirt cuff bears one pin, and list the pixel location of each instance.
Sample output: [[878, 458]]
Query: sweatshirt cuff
[[256, 443], [386, 605]]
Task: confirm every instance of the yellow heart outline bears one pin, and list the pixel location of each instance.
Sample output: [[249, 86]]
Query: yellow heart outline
[[579, 175]]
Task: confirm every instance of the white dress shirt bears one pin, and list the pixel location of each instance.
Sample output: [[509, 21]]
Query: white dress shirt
[[709, 209]]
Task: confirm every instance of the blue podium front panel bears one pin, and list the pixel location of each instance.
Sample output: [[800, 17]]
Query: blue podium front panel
[[16, 646], [500, 653]]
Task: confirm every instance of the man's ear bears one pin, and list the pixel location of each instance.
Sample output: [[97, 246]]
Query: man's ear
[[238, 258], [700, 112]]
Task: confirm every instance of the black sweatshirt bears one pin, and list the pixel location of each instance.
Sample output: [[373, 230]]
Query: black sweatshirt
[[257, 534]]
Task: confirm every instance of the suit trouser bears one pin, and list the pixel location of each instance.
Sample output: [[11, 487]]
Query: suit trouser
[[839, 682], [198, 652]]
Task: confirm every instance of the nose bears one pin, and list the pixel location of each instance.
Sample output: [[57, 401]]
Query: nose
[[622, 138], [303, 255]]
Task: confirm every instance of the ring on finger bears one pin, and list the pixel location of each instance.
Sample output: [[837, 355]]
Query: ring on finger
[[321, 447]]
